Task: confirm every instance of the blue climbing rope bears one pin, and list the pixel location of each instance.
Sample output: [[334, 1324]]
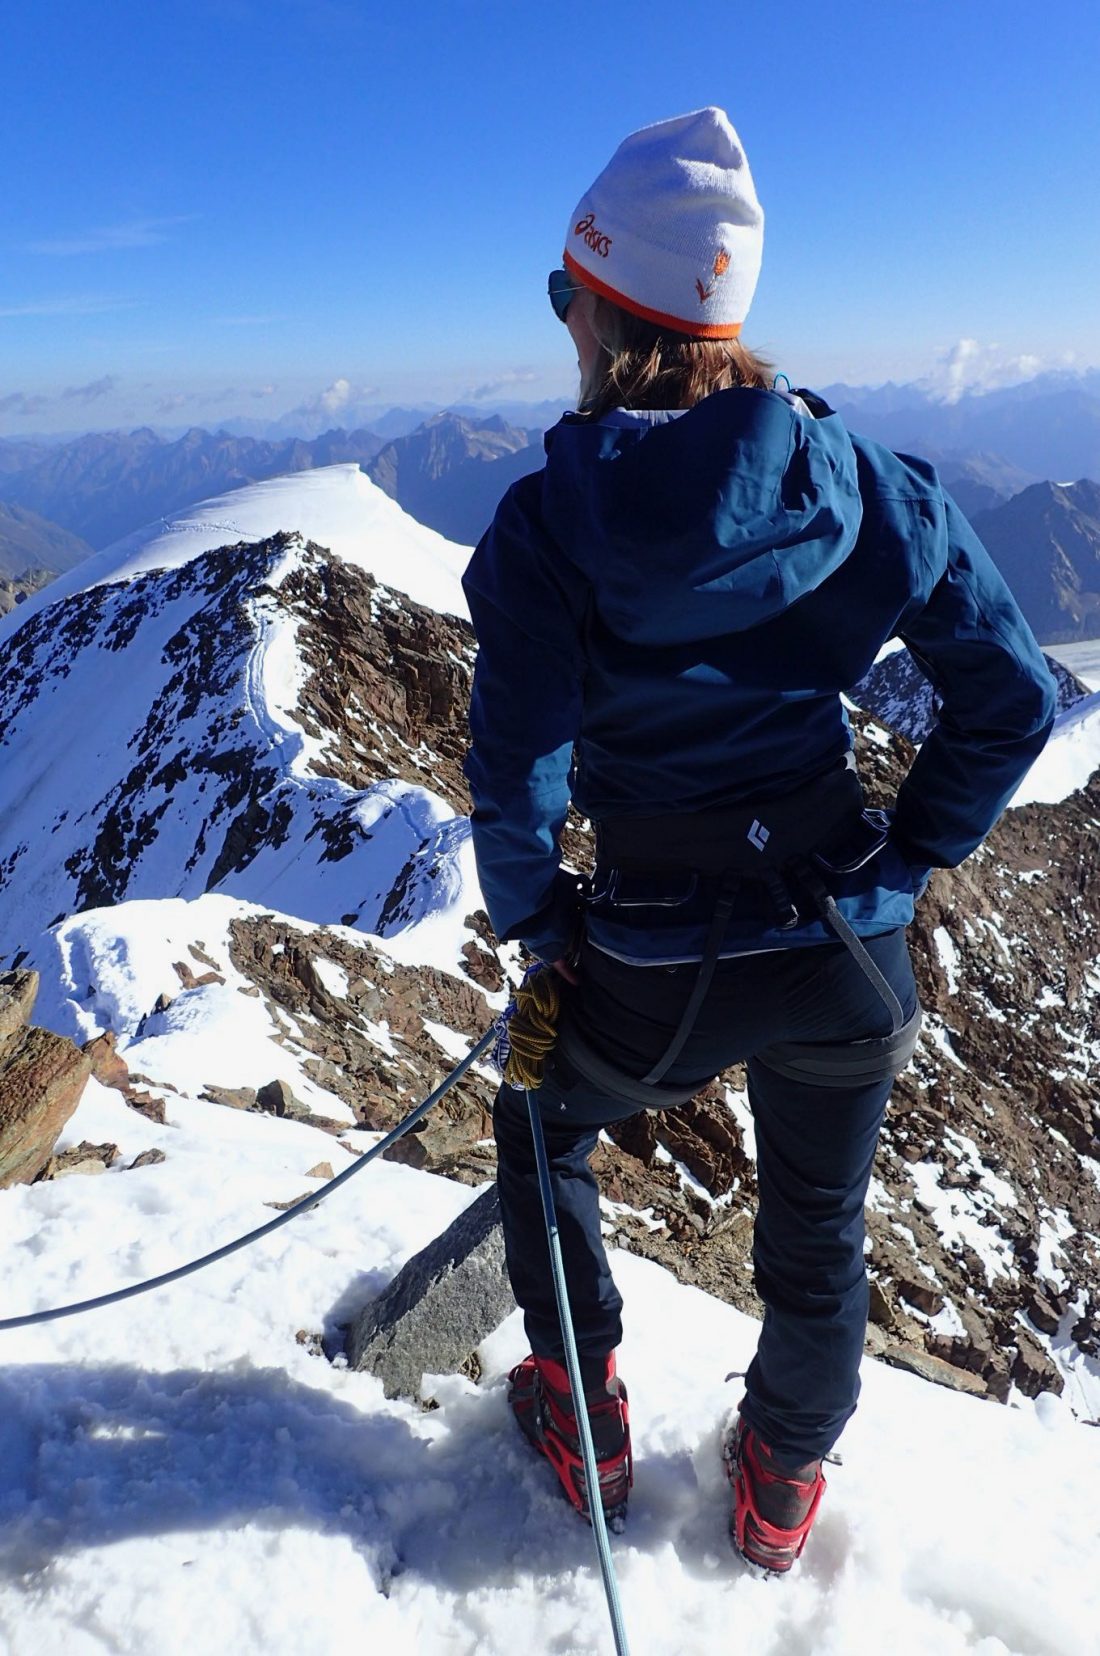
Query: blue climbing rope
[[573, 1364], [307, 1202]]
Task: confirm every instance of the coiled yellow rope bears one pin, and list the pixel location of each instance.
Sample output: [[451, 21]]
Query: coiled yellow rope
[[533, 1029]]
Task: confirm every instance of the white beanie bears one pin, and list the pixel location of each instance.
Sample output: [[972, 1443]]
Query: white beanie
[[671, 229]]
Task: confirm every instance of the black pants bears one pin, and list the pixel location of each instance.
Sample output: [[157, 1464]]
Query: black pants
[[815, 1148]]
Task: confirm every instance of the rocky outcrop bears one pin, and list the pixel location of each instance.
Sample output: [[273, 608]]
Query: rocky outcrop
[[440, 1305], [388, 681], [897, 692], [41, 1079], [111, 1070]]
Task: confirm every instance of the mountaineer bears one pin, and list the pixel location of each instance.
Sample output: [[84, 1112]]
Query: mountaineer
[[668, 615]]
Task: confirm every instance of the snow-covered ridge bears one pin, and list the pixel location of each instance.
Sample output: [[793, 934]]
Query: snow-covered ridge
[[152, 741], [336, 506], [1069, 759]]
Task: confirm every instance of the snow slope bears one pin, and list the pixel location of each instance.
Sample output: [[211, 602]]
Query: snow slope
[[1082, 659], [1069, 759], [181, 1473], [336, 506], [149, 724]]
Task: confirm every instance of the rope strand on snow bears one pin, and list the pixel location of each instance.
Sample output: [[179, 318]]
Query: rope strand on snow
[[310, 1201], [573, 1364]]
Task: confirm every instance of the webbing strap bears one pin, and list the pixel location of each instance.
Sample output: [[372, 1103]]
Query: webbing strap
[[855, 947], [843, 1063], [609, 1078], [711, 948]]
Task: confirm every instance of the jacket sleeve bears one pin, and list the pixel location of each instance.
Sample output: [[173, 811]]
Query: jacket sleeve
[[998, 701], [527, 605]]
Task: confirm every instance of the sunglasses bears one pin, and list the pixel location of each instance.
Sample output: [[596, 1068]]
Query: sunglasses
[[561, 288]]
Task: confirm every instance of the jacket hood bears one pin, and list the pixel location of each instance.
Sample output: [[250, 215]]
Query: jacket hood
[[707, 521]]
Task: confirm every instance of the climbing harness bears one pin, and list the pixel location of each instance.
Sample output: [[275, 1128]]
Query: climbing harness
[[576, 1384], [779, 847], [307, 1202]]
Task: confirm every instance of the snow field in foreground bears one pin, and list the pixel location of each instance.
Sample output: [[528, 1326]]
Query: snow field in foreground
[[178, 1474]]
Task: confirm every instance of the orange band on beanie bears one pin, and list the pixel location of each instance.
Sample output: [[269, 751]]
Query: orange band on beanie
[[678, 324]]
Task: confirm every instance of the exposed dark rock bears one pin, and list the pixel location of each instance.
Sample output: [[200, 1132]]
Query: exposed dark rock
[[82, 1158], [924, 1363], [483, 966], [1034, 1371], [148, 1158], [237, 1098], [108, 1068], [277, 1098], [18, 992], [1043, 1313], [189, 980], [42, 1077], [148, 1106], [440, 1306], [921, 1294]]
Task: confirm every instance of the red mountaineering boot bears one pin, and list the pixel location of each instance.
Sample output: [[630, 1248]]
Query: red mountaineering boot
[[542, 1402], [774, 1505]]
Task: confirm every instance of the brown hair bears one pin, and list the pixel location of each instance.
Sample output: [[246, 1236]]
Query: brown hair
[[641, 365]]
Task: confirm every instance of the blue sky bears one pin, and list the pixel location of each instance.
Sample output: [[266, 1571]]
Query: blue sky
[[224, 207]]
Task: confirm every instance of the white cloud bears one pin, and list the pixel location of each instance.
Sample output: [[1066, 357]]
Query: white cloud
[[336, 397], [111, 238], [508, 381], [90, 392], [23, 403], [970, 366], [339, 400], [66, 307]]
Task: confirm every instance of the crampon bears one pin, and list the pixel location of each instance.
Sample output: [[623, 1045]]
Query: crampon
[[774, 1505], [542, 1401]]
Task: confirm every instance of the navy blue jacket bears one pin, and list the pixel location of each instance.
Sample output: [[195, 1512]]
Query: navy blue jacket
[[667, 616]]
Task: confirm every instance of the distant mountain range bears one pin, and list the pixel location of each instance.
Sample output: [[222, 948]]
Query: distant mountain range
[[450, 473], [107, 484], [1046, 542], [996, 453], [29, 542], [1049, 427]]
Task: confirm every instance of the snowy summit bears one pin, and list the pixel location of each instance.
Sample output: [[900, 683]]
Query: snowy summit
[[233, 840]]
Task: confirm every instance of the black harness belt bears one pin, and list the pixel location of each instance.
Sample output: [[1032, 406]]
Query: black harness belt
[[780, 843]]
